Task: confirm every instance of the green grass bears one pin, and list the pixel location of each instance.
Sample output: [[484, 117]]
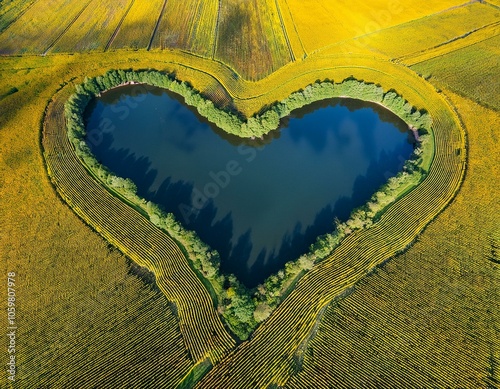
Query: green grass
[[195, 374]]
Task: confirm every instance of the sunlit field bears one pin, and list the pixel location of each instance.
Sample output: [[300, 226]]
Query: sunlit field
[[108, 296]]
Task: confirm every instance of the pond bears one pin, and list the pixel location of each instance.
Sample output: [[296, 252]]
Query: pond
[[259, 203]]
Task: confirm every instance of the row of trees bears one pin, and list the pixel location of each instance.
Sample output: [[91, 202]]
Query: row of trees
[[243, 309]]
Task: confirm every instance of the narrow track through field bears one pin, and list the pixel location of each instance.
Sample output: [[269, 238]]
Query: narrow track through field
[[157, 25], [117, 29]]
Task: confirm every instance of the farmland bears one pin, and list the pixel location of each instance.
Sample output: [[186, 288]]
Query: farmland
[[450, 69], [10, 11], [241, 25], [411, 301], [339, 23], [429, 297], [189, 26], [19, 37], [79, 37], [453, 25], [138, 25]]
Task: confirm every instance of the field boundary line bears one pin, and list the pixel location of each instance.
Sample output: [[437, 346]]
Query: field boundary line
[[285, 32], [155, 30], [19, 16], [67, 28], [490, 4], [366, 35], [119, 26], [470, 38], [304, 52], [216, 32], [302, 348]]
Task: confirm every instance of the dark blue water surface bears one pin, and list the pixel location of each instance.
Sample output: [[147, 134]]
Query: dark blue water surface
[[259, 203]]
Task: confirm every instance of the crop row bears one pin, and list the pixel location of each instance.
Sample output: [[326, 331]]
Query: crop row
[[270, 356], [203, 331], [407, 328], [250, 38], [188, 25], [134, 335], [93, 28], [430, 318]]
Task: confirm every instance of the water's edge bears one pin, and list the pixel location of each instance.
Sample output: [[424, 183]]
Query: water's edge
[[419, 164]]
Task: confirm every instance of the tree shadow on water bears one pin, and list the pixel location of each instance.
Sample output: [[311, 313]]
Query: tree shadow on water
[[250, 260], [123, 163], [299, 240]]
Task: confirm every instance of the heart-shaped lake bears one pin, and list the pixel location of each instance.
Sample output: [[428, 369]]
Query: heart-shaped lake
[[259, 203]]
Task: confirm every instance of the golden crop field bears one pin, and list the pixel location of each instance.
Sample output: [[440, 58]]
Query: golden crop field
[[250, 38], [35, 31], [106, 299], [453, 71], [136, 30], [433, 30], [93, 28], [109, 312], [188, 25], [9, 11]]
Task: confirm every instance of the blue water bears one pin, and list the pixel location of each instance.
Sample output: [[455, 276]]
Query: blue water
[[259, 203]]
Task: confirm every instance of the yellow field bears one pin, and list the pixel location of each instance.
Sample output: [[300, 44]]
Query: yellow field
[[430, 31], [292, 37], [93, 28], [138, 26], [35, 31], [324, 23], [254, 38], [428, 317], [107, 315], [250, 38], [189, 25], [11, 10]]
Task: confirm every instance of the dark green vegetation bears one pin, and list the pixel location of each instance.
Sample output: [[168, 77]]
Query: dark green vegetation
[[236, 302]]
